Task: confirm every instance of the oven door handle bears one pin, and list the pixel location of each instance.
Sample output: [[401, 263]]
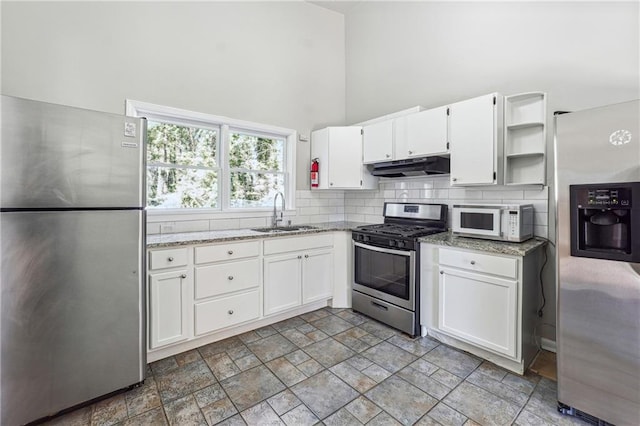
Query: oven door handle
[[384, 250]]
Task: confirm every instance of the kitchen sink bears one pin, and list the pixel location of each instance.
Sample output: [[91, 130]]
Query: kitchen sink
[[284, 228]]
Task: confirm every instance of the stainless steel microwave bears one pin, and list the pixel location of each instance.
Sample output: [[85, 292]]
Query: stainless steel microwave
[[493, 222]]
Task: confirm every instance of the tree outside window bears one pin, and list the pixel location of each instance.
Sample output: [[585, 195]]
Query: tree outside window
[[194, 159]]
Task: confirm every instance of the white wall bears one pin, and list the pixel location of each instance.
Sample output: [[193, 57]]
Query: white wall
[[402, 54], [279, 63]]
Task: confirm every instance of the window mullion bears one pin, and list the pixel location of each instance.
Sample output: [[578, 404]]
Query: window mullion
[[224, 181]]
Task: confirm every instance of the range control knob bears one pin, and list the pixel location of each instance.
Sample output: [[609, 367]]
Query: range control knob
[[401, 244], [392, 243]]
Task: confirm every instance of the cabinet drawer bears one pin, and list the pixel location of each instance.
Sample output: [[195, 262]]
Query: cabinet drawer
[[282, 245], [160, 259], [225, 312], [472, 261], [213, 280], [229, 251]]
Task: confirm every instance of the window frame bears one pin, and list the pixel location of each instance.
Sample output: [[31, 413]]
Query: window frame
[[225, 126]]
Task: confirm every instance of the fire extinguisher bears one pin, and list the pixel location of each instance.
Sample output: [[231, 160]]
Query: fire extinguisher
[[315, 169]]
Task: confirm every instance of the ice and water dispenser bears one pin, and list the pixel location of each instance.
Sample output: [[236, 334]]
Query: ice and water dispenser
[[605, 224]]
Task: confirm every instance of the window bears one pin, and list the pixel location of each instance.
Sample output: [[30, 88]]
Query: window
[[181, 166], [203, 163]]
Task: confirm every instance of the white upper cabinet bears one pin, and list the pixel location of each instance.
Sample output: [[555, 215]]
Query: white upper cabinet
[[339, 153], [378, 142], [475, 136], [422, 134]]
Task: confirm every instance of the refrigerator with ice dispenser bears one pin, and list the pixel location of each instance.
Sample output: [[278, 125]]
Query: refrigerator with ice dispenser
[[597, 154]]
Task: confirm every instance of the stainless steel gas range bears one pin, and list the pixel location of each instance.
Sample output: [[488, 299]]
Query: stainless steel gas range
[[386, 270]]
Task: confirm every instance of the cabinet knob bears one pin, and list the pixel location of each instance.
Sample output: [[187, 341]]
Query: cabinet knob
[[230, 252], [183, 276], [473, 262], [299, 257], [454, 179], [410, 152], [441, 272], [306, 255], [387, 155], [230, 311], [331, 183], [230, 277], [170, 259]]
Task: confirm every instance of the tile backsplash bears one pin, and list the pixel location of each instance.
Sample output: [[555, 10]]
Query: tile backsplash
[[311, 207], [367, 206]]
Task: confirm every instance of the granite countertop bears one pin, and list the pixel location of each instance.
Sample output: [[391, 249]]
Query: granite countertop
[[488, 246], [204, 237]]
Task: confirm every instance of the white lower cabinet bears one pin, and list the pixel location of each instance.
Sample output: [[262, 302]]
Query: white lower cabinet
[[282, 279], [481, 302], [297, 271], [317, 275], [169, 307], [294, 279], [202, 293], [479, 308]]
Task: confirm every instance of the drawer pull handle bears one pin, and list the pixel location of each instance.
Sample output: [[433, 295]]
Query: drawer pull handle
[[170, 259], [299, 257], [230, 277], [230, 311], [183, 276], [473, 262], [379, 306], [230, 252], [306, 255]]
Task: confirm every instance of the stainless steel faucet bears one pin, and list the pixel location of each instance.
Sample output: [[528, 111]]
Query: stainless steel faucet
[[275, 219]]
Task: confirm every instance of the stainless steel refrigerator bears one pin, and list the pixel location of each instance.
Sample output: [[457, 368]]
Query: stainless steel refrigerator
[[72, 227], [598, 245]]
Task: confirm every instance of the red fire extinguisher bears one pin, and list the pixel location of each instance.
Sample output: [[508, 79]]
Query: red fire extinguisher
[[315, 169]]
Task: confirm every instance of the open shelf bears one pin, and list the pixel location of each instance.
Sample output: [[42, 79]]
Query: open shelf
[[525, 139], [525, 108], [525, 170]]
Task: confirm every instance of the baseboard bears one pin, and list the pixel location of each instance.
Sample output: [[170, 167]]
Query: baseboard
[[548, 344]]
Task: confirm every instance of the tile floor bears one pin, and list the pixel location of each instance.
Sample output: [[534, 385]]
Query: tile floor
[[332, 367]]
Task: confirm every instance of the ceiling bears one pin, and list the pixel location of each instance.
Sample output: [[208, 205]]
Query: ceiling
[[339, 6]]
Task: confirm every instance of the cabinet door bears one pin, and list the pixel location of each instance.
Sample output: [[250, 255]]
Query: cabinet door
[[169, 308], [472, 126], [427, 133], [345, 157], [377, 142], [479, 309], [282, 282], [317, 275]]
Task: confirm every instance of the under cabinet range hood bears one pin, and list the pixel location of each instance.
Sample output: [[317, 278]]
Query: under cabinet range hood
[[411, 167]]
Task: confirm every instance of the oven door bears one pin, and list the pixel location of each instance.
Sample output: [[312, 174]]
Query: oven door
[[385, 274], [477, 221]]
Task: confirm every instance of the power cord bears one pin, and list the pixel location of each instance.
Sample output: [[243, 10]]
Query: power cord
[[544, 299]]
